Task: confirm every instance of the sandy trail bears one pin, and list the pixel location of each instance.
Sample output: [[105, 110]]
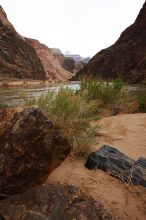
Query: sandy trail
[[128, 134]]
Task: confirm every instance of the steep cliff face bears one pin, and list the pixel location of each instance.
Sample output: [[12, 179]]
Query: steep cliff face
[[17, 58], [51, 60], [74, 62], [69, 64], [126, 58]]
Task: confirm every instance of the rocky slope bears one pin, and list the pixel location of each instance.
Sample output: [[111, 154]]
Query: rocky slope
[[51, 60], [17, 58], [126, 58]]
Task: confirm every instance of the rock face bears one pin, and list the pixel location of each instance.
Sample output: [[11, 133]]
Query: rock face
[[126, 58], [74, 63], [52, 202], [17, 58], [69, 64], [30, 149], [117, 164], [51, 60]]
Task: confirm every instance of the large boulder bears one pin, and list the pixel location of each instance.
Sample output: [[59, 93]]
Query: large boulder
[[117, 164], [126, 58], [31, 147], [53, 202]]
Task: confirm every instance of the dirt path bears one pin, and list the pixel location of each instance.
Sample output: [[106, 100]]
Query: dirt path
[[128, 134]]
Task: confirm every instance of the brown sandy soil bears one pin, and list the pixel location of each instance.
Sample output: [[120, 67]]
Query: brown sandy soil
[[128, 134]]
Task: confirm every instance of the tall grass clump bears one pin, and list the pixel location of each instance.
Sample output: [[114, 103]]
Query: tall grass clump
[[72, 114]]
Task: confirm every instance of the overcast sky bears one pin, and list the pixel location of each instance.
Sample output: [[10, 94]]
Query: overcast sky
[[79, 26]]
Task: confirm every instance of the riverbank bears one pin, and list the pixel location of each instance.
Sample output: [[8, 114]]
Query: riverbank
[[14, 91], [25, 83]]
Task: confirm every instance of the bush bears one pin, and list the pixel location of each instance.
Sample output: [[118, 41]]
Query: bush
[[73, 111], [72, 114], [3, 105], [142, 102], [112, 95], [105, 91]]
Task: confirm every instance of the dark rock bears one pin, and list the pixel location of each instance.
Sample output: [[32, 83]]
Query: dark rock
[[117, 164], [68, 64], [30, 149], [142, 161], [53, 202], [17, 58], [126, 58]]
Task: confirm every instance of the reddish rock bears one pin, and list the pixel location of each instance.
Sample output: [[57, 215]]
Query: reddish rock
[[30, 149], [51, 60], [126, 58], [17, 58], [53, 201]]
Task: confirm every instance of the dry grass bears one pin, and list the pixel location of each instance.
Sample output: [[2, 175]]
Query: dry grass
[[73, 115]]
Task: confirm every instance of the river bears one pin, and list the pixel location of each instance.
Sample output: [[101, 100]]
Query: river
[[12, 95]]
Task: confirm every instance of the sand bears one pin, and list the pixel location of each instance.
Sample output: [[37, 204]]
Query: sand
[[128, 134]]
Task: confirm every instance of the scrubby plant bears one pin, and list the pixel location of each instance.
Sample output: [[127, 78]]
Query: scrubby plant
[[73, 115], [142, 102], [105, 91], [3, 105], [74, 111], [112, 95]]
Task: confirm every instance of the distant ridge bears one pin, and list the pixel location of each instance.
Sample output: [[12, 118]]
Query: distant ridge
[[77, 57]]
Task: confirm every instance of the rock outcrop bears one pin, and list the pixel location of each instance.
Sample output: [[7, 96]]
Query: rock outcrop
[[126, 58], [74, 63], [31, 147], [69, 64], [51, 60], [17, 58], [53, 201], [117, 164]]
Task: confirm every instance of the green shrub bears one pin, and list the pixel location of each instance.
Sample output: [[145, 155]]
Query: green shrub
[[105, 91], [3, 105], [113, 95], [142, 102], [72, 114]]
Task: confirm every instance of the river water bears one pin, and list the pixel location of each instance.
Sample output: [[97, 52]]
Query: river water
[[12, 95]]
